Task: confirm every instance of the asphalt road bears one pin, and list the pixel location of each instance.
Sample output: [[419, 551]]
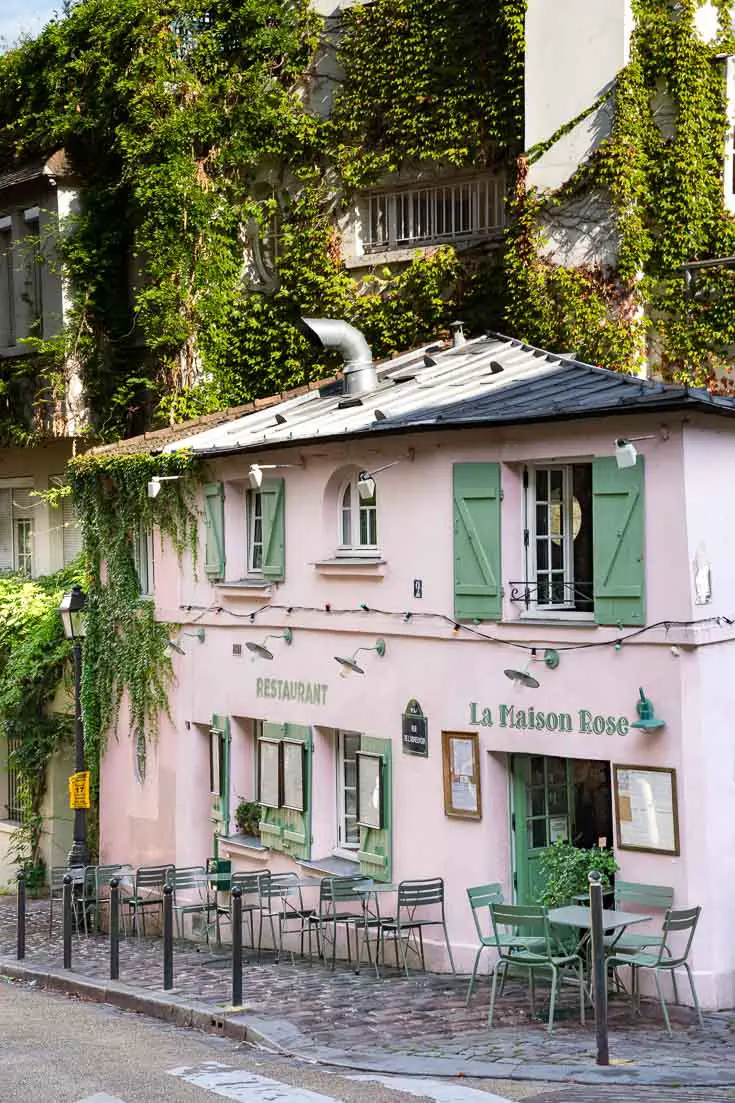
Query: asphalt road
[[54, 1049]]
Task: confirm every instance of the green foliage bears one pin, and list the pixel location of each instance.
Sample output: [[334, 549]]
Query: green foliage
[[125, 650], [33, 659], [247, 818], [429, 80], [565, 868]]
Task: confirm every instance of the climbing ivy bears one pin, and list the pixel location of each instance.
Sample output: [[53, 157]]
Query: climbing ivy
[[126, 653], [34, 658], [661, 168]]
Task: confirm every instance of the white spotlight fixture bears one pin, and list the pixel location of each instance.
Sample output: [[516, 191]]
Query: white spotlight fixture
[[255, 472], [626, 452], [154, 486], [366, 480]]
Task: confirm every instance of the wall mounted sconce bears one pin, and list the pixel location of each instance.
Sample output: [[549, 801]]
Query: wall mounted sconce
[[647, 720], [255, 474], [263, 652], [366, 480], [626, 452], [550, 659], [197, 634], [350, 664], [154, 486]]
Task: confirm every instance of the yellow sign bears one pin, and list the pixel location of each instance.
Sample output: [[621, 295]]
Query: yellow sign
[[79, 790]]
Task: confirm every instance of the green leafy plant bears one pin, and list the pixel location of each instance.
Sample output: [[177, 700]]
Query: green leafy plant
[[247, 818], [565, 868]]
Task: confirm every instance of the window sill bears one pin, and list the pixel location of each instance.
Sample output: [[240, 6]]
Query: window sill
[[245, 588], [246, 844], [567, 620], [406, 253], [364, 566], [337, 867]]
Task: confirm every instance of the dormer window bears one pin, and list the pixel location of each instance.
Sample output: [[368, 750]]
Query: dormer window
[[358, 522]]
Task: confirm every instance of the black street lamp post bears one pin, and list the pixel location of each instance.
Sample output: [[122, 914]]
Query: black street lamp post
[[72, 615]]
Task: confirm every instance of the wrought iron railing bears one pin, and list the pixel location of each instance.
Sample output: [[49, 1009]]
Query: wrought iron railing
[[551, 594]]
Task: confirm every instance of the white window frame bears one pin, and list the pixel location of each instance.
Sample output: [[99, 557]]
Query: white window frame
[[253, 504], [344, 848], [564, 609], [23, 554], [429, 214], [358, 508], [144, 559]]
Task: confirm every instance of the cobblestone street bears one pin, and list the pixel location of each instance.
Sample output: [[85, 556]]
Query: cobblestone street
[[424, 1016]]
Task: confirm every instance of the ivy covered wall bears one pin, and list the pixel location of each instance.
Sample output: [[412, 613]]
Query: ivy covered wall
[[174, 115]]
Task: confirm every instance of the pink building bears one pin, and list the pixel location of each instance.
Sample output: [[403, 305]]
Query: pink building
[[465, 571]]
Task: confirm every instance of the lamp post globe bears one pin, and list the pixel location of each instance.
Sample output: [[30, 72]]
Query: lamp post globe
[[71, 610]]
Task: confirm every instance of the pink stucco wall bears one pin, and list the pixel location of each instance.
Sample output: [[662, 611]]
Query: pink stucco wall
[[684, 671]]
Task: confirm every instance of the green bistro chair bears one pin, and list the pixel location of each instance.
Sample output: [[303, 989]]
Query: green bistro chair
[[644, 898], [681, 921], [147, 893], [191, 897], [341, 904], [420, 904], [481, 897], [519, 922]]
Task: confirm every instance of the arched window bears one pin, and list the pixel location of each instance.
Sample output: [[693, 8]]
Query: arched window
[[358, 521]]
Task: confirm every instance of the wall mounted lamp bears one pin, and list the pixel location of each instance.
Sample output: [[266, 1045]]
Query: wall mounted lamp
[[366, 480], [154, 486], [626, 452], [550, 659], [350, 665], [263, 652], [255, 474], [647, 720], [197, 634]]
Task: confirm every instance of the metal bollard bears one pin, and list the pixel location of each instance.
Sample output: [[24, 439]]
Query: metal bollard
[[168, 937], [114, 929], [66, 918], [237, 946], [20, 951], [599, 970]]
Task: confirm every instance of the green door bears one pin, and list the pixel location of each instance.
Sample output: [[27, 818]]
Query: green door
[[543, 811]]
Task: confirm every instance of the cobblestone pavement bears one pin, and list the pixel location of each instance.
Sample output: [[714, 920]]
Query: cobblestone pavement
[[424, 1016]]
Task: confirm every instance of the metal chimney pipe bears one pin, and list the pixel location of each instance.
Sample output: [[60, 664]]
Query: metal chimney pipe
[[458, 337], [359, 371]]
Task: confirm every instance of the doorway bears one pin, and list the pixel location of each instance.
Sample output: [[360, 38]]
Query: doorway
[[555, 799]]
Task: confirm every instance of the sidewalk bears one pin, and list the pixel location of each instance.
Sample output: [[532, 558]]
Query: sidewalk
[[392, 1025]]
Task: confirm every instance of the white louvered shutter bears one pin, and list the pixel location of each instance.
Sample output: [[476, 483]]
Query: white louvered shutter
[[6, 530]]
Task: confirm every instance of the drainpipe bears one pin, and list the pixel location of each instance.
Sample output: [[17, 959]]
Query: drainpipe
[[331, 333]]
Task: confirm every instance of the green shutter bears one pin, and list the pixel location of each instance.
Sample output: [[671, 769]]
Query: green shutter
[[477, 590], [214, 521], [376, 852], [617, 527], [273, 498], [283, 828], [221, 800]]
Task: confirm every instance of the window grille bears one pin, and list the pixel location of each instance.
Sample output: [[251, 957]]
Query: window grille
[[13, 807], [446, 212]]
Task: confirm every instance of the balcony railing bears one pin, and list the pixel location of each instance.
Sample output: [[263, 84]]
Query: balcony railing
[[552, 594], [443, 212]]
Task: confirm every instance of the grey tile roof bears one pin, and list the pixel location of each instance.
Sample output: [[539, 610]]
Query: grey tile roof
[[488, 380]]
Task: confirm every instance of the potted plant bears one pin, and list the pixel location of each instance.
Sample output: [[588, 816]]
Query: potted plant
[[247, 818], [565, 869]]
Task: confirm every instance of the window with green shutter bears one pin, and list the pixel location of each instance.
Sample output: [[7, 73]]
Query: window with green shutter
[[284, 788], [618, 516], [214, 525], [273, 499], [376, 851], [477, 587]]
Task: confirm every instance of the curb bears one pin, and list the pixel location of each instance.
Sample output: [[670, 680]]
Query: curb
[[281, 1037]]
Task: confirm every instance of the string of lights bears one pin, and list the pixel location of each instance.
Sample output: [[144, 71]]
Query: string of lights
[[458, 627]]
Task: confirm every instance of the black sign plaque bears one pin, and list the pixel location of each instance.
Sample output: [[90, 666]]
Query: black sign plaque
[[415, 730]]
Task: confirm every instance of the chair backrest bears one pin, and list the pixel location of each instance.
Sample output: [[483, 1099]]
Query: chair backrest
[[188, 877], [152, 877], [659, 897], [106, 873], [58, 873], [279, 884], [678, 921], [482, 896], [252, 884], [531, 920], [342, 888], [420, 894]]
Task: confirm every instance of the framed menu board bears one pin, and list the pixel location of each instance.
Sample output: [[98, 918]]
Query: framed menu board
[[461, 758], [645, 808]]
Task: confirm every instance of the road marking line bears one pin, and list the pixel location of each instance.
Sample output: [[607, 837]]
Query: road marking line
[[244, 1086], [442, 1091], [101, 1097]]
